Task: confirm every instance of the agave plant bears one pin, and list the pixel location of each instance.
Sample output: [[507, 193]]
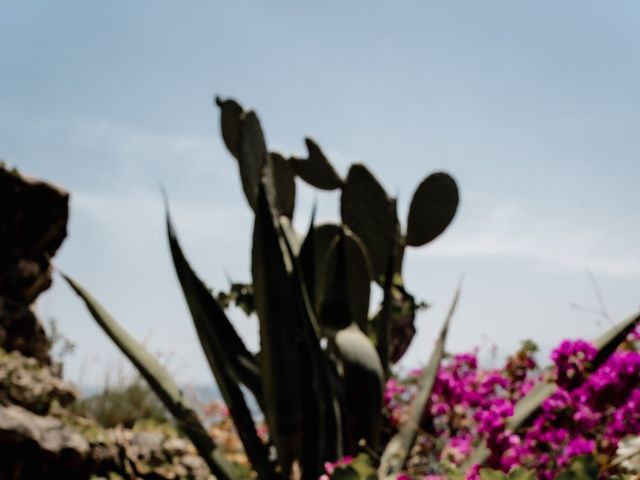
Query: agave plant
[[318, 377], [323, 358]]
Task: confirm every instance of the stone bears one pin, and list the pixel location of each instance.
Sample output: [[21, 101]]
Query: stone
[[33, 220], [33, 225], [22, 331], [31, 385], [39, 436], [33, 445]]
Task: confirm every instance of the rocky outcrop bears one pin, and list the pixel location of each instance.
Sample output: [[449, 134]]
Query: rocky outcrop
[[38, 446], [33, 220], [29, 384], [39, 437], [60, 445]]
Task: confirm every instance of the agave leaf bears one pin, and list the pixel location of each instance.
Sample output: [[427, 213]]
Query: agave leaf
[[347, 283], [160, 382], [294, 238], [244, 138], [368, 211], [529, 405], [316, 170], [609, 341], [315, 250], [229, 359], [320, 409], [307, 260], [396, 454], [212, 323], [279, 333], [285, 184], [382, 321], [433, 206]]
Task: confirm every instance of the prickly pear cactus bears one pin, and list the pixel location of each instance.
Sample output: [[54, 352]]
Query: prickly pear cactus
[[324, 357]]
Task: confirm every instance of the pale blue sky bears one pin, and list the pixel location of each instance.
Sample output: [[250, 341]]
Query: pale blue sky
[[534, 107]]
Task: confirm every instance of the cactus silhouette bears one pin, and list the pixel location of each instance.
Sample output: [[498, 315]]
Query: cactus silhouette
[[323, 360]]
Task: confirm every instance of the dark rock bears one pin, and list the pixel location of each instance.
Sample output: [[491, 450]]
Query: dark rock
[[39, 437], [21, 330], [35, 446], [33, 224], [33, 221]]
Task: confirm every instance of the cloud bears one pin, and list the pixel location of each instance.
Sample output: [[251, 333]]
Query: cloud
[[509, 230]]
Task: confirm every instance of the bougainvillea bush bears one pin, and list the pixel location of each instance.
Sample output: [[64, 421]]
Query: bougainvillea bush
[[587, 415], [590, 424]]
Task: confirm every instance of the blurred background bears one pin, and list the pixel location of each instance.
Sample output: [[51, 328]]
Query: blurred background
[[533, 107]]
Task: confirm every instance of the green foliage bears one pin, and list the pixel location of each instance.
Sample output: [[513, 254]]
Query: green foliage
[[360, 468], [515, 474], [60, 345], [584, 467], [122, 401], [160, 382], [396, 454], [529, 405], [323, 358]]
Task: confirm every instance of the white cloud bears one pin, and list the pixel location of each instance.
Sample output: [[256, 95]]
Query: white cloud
[[507, 230]]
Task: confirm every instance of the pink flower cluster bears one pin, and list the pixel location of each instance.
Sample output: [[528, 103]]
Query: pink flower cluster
[[589, 413], [329, 467]]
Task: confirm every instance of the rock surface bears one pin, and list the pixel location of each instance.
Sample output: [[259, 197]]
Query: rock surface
[[25, 382], [33, 221], [33, 225], [39, 438]]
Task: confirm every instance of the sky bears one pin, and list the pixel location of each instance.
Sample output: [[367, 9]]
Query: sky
[[533, 107]]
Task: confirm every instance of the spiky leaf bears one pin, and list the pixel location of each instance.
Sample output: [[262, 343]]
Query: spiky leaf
[[316, 169], [295, 240], [160, 382], [396, 454], [299, 341], [433, 206], [229, 359], [279, 333], [382, 321], [369, 212], [212, 324]]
